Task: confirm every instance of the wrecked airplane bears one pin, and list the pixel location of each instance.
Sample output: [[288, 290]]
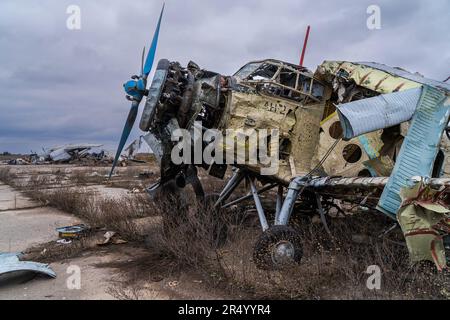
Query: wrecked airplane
[[69, 153], [359, 133]]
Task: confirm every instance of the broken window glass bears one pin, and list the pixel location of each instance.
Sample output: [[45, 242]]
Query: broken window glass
[[288, 78], [304, 85], [248, 69], [264, 72]]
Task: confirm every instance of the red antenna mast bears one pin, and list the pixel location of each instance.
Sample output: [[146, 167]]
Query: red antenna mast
[[304, 46]]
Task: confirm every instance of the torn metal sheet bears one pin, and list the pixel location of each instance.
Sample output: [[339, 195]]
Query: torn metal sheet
[[134, 147], [11, 266], [155, 145], [419, 149], [366, 76], [424, 219], [76, 146], [445, 147], [383, 111], [380, 167], [60, 155]]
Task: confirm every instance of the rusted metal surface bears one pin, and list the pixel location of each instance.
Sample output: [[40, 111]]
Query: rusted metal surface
[[419, 150], [365, 182], [365, 76], [348, 157]]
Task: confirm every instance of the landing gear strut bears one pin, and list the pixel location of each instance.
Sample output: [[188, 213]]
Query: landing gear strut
[[279, 244]]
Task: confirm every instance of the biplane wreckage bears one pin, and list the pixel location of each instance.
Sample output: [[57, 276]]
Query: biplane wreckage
[[363, 133]]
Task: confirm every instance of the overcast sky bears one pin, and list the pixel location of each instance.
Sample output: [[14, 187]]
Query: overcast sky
[[65, 86]]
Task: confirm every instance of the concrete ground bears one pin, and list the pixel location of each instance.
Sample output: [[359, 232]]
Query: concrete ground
[[94, 283], [25, 223], [20, 229], [11, 199]]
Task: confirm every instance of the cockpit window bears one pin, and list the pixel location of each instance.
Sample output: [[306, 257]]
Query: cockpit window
[[247, 70], [288, 78], [265, 72], [282, 81], [304, 85], [257, 71]]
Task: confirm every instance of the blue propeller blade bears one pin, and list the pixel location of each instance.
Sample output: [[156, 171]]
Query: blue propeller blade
[[126, 132], [151, 53], [147, 67]]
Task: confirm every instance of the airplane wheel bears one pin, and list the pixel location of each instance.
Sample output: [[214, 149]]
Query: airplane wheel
[[278, 247]]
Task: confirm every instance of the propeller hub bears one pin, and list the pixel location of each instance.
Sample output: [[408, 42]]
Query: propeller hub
[[135, 88]]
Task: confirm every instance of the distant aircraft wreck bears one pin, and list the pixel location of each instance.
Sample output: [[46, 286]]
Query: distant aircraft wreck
[[79, 153], [65, 154], [69, 152]]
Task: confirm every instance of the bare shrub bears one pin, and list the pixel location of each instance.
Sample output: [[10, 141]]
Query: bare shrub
[[7, 176], [80, 177], [36, 183], [113, 214], [190, 233]]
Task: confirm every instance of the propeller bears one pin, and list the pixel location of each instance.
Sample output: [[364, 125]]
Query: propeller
[[142, 60], [136, 90]]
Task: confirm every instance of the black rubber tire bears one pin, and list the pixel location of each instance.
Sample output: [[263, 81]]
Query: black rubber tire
[[262, 253]]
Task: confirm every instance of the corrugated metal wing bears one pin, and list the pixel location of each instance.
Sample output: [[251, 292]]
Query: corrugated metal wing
[[419, 148]]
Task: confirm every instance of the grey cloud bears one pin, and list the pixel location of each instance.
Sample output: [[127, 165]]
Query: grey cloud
[[66, 86]]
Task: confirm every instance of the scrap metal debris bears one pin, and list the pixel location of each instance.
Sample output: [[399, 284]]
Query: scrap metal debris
[[72, 232], [424, 219], [111, 237], [18, 161], [11, 267]]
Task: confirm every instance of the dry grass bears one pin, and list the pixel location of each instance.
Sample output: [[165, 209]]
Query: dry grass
[[189, 233], [7, 176], [187, 240], [111, 214], [334, 269], [51, 252], [331, 268]]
